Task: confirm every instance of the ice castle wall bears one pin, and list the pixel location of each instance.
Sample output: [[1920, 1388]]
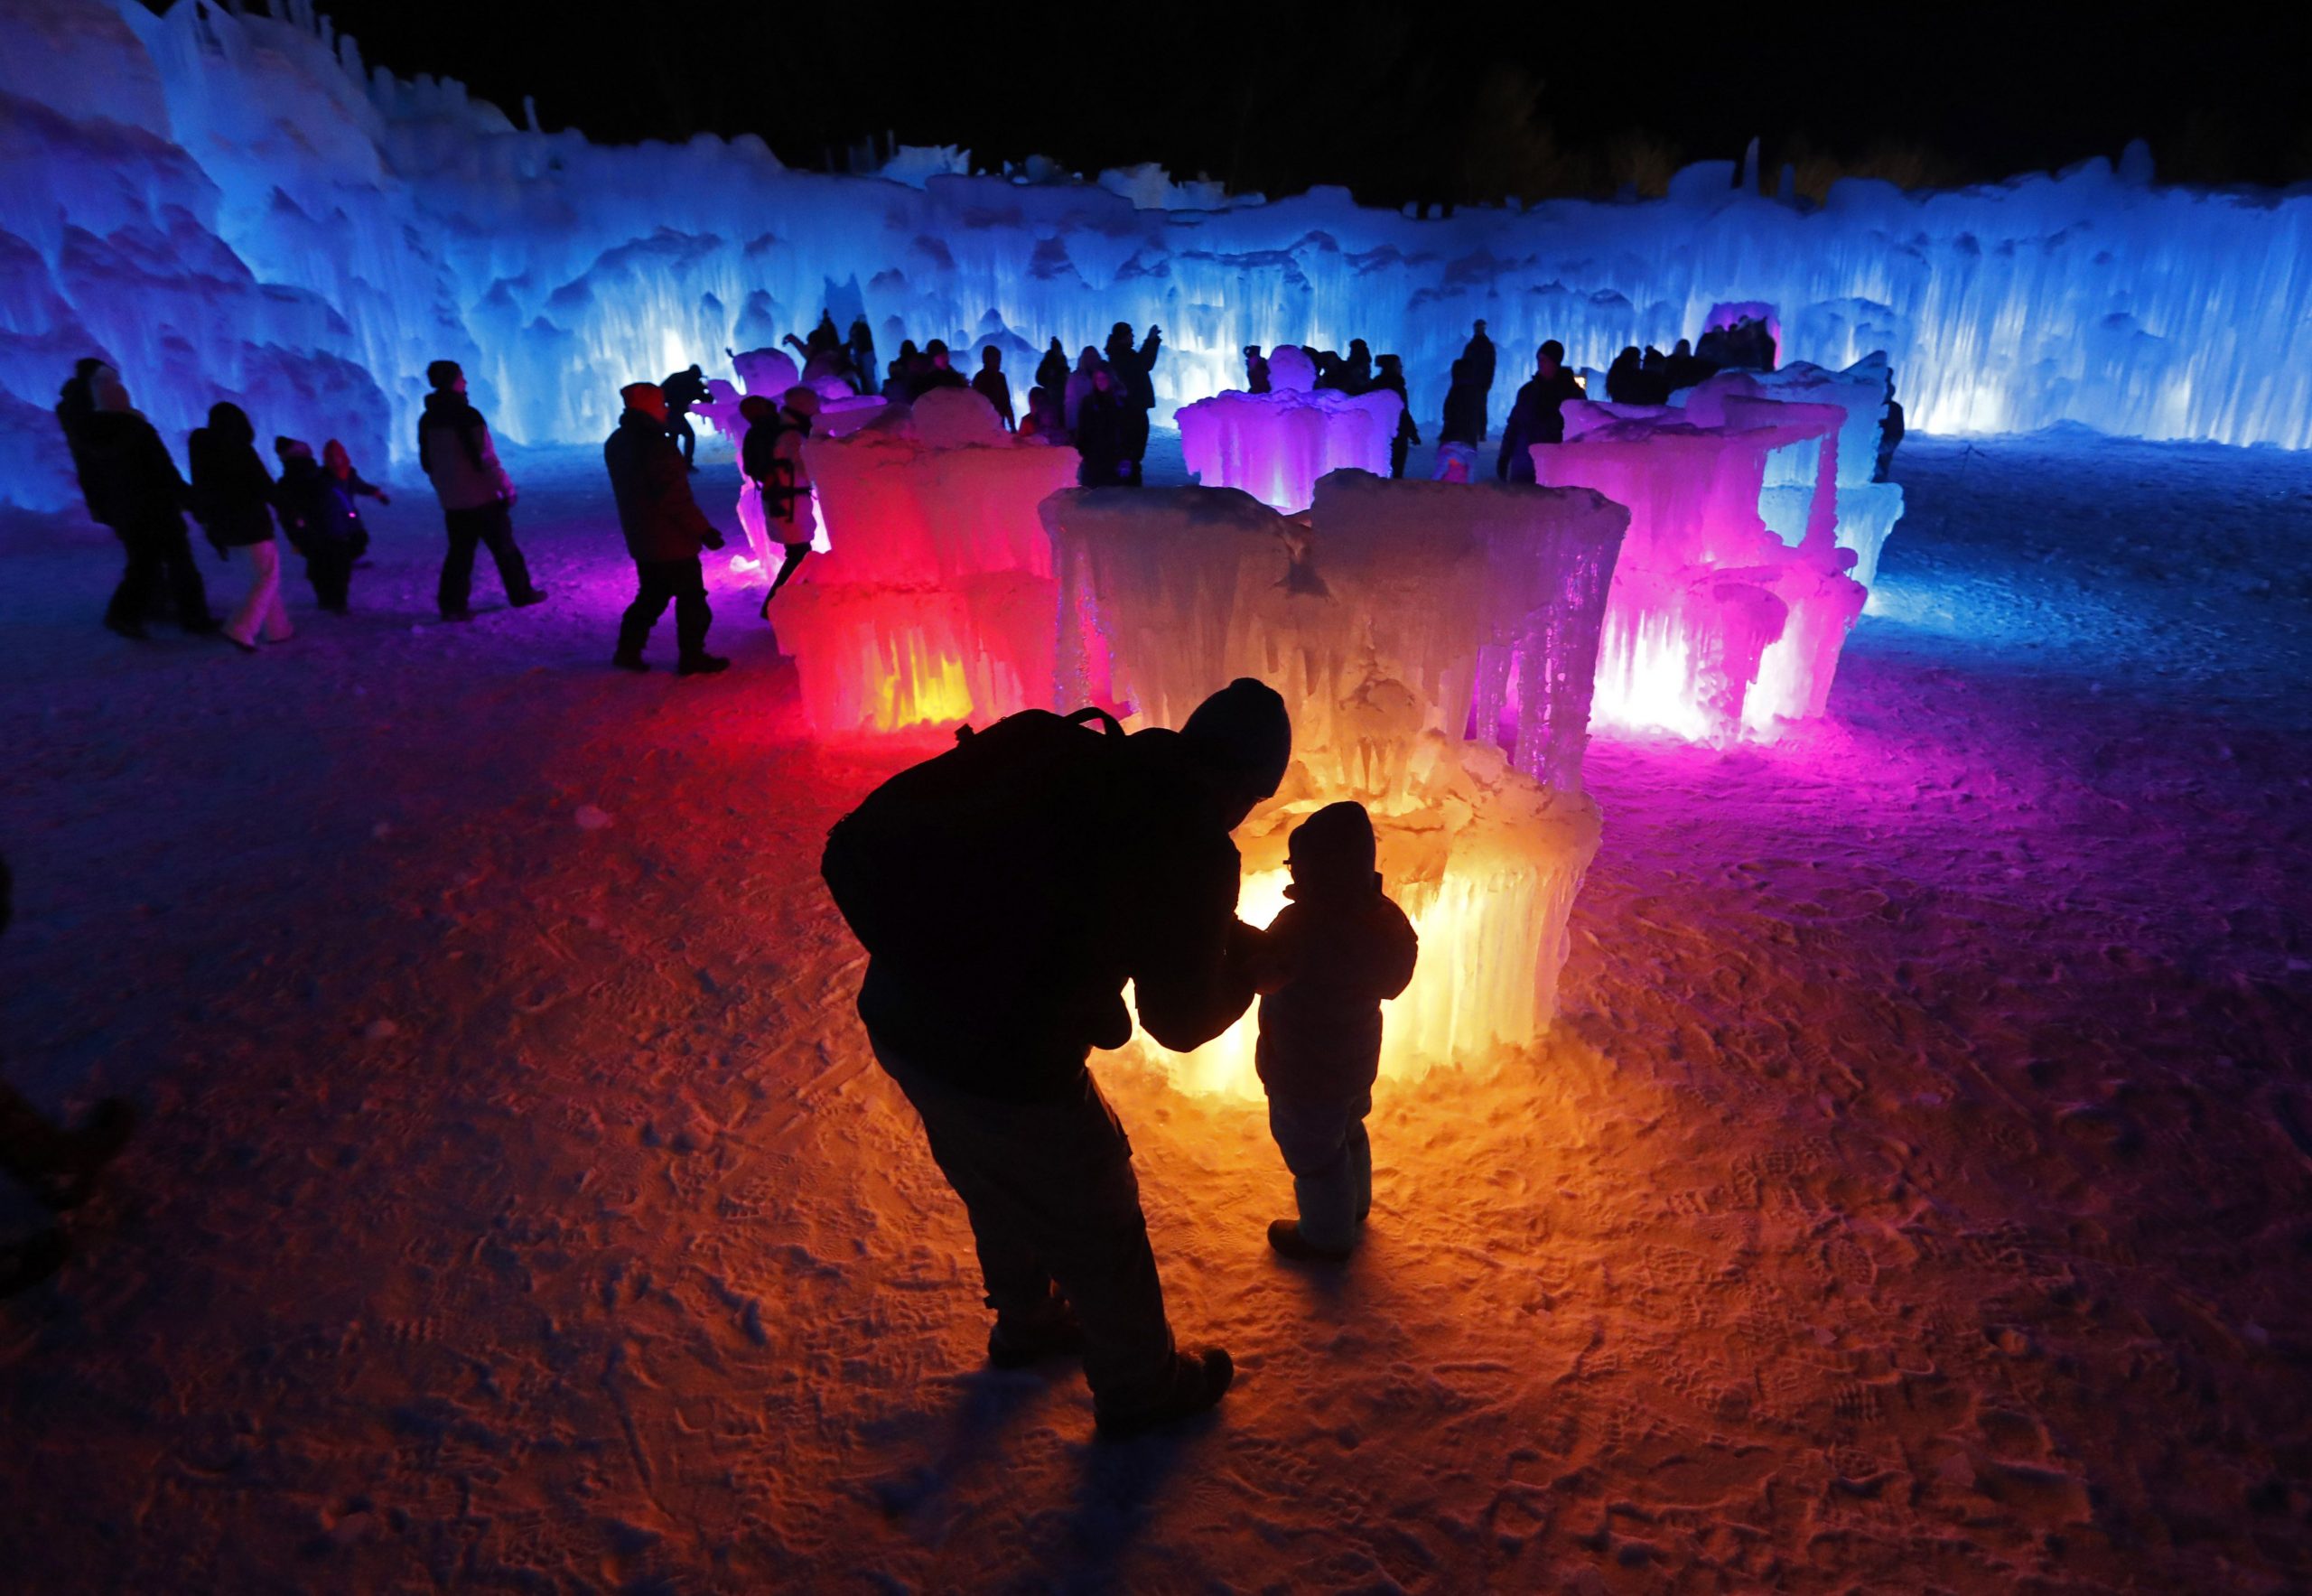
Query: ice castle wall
[[229, 207]]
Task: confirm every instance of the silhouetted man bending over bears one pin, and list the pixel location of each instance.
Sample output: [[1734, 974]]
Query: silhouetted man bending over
[[1005, 892]]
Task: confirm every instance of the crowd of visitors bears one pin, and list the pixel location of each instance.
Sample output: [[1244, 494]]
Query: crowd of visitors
[[1100, 405]]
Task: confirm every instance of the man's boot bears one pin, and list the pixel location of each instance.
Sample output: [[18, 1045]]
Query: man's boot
[[1197, 1383]]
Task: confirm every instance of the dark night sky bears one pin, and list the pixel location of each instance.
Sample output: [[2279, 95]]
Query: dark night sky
[[1399, 101]]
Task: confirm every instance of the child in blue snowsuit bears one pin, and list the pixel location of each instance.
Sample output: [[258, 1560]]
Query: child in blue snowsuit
[[1336, 953]]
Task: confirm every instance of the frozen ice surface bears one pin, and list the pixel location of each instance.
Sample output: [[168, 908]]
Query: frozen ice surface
[[1275, 445], [1381, 618], [937, 602], [1716, 628], [229, 206], [1867, 510]]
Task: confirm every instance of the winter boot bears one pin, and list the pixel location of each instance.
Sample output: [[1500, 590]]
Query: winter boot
[[628, 659], [701, 665], [1198, 1381], [1024, 1340], [536, 595], [1285, 1236]]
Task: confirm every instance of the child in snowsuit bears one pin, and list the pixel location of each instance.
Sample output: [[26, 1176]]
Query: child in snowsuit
[[1336, 953], [320, 510]]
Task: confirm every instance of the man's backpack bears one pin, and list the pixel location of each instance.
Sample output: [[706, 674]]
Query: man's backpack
[[986, 865]]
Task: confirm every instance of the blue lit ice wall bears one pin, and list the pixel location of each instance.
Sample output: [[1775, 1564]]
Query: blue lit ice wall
[[229, 207]]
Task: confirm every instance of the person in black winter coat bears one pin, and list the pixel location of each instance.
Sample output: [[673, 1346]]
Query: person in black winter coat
[[1464, 407], [348, 488], [1479, 353], [1391, 379], [1005, 892], [1338, 951], [319, 502], [1102, 434], [863, 356], [937, 369], [665, 530], [131, 486], [1625, 377], [1052, 371], [232, 498], [1537, 416], [1356, 370], [1134, 369], [989, 384], [75, 401], [1255, 370]]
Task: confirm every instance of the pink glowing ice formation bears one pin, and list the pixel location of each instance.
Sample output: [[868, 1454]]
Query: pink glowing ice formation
[[1385, 617], [935, 604], [1275, 445], [1716, 627]]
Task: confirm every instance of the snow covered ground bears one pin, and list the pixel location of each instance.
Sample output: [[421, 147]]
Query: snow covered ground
[[1914, 1196]]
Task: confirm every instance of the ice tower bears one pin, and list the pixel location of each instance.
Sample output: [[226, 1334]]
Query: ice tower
[[1275, 445], [935, 604], [1716, 627], [1385, 618]]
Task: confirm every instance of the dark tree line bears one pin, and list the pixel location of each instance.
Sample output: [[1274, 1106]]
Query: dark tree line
[[1432, 105]]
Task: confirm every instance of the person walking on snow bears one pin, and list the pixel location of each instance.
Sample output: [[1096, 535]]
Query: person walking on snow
[[131, 485], [232, 498], [1005, 892], [775, 463], [453, 445], [1339, 951], [665, 530], [346, 484]]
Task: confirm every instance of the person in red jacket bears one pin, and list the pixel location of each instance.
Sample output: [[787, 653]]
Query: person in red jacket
[[665, 530], [1338, 950]]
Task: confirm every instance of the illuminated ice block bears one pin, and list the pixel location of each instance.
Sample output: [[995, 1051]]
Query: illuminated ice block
[[229, 204], [1716, 628], [1276, 445], [1381, 618], [1867, 510], [935, 604]]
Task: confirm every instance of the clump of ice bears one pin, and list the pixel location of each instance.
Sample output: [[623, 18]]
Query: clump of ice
[[935, 604], [1275, 445], [1715, 626], [1384, 618]]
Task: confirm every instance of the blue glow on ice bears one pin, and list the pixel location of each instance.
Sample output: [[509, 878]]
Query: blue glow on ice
[[231, 207]]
